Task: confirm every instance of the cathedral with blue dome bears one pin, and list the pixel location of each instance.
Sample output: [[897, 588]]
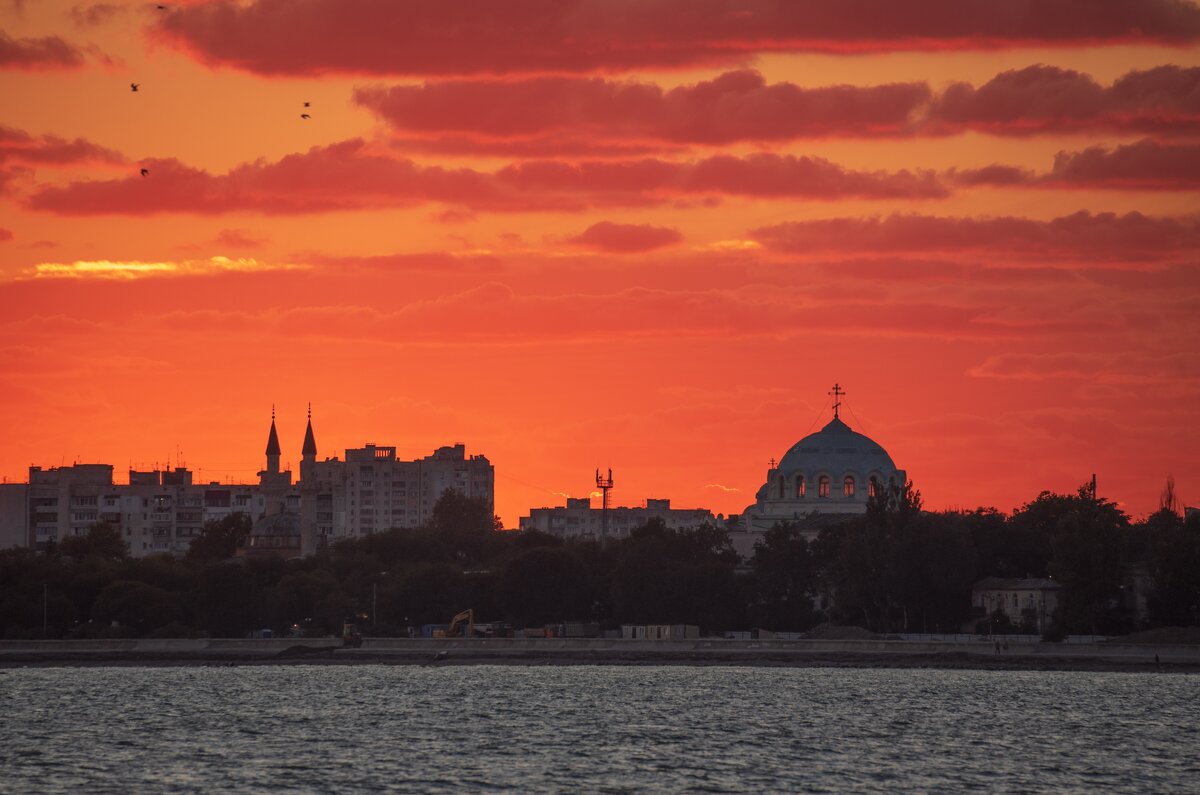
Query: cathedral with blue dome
[[827, 474]]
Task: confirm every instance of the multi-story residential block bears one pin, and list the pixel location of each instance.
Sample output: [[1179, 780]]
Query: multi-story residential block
[[162, 511], [14, 515], [155, 512], [373, 490]]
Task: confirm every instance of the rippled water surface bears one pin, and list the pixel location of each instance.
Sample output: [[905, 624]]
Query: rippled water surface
[[593, 729]]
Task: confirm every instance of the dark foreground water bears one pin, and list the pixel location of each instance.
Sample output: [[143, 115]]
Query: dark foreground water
[[593, 729]]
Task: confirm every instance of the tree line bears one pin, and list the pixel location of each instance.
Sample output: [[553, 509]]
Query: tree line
[[896, 568]]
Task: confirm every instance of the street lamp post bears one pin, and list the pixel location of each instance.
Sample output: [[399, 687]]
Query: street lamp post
[[375, 599]]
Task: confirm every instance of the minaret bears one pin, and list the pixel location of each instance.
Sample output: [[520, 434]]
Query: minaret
[[273, 483], [309, 537], [273, 447], [309, 452]]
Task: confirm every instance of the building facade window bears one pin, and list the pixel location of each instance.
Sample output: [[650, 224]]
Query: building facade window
[[800, 486], [848, 486], [823, 486], [872, 487]]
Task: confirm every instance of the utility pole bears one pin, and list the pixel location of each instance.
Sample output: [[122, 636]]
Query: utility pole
[[45, 607], [375, 598]]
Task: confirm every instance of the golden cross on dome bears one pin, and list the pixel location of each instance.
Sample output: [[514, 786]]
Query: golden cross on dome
[[837, 393]]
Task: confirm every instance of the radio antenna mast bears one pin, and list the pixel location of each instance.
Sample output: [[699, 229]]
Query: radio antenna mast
[[605, 485]]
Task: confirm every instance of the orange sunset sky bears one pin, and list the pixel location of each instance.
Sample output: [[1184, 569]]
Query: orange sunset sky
[[645, 234]]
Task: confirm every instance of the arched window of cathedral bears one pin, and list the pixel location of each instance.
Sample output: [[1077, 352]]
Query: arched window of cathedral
[[873, 487], [800, 486], [848, 486], [823, 486]]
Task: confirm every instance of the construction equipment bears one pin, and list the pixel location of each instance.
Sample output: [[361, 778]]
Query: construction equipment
[[467, 616], [351, 636]]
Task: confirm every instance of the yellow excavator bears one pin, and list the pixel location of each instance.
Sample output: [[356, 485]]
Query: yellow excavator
[[453, 631]]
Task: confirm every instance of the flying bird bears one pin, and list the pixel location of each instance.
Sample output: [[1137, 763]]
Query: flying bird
[[133, 86], [161, 8], [305, 116], [306, 104], [145, 172]]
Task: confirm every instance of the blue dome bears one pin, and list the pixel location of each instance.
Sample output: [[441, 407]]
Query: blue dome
[[285, 523], [836, 449]]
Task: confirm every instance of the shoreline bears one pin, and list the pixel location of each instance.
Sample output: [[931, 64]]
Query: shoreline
[[584, 652]]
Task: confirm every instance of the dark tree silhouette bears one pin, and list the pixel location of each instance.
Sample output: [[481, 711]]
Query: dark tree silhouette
[[895, 568], [102, 540], [1088, 538], [546, 584], [219, 540], [142, 607], [785, 581]]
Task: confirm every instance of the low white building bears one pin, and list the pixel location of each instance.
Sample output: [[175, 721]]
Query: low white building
[[660, 631], [1024, 600], [579, 520]]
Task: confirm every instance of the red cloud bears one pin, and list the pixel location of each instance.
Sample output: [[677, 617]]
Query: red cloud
[[348, 175], [1149, 165], [49, 52], [415, 37], [532, 147], [451, 298], [237, 238], [19, 146], [812, 177], [1144, 165], [1129, 368], [97, 14], [626, 238], [494, 312], [573, 114], [995, 174], [340, 176], [736, 106], [1132, 237], [439, 262], [9, 176], [753, 175], [1042, 98]]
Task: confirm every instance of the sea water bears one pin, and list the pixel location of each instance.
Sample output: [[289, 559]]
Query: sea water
[[376, 728]]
